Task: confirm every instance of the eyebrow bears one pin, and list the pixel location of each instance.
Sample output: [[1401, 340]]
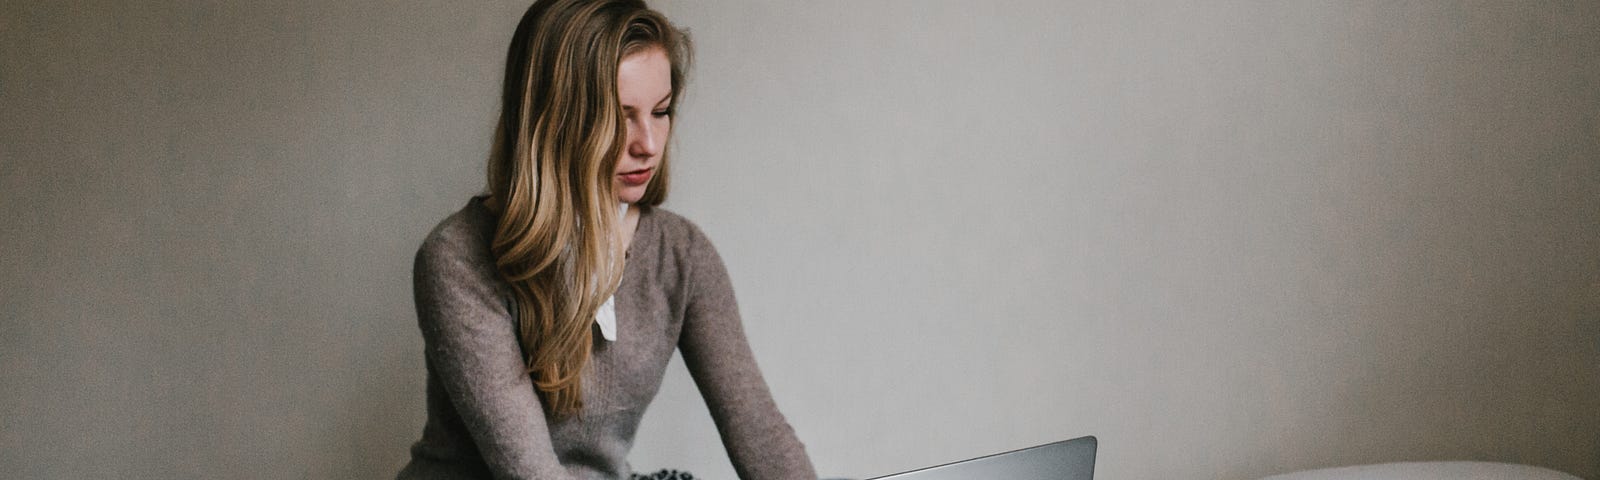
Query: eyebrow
[[627, 108]]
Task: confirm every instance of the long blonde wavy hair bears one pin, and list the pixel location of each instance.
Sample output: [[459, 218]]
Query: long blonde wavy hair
[[557, 142]]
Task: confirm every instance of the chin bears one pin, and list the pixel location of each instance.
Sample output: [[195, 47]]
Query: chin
[[630, 195]]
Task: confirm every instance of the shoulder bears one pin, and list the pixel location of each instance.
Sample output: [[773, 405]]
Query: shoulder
[[688, 251], [460, 244], [680, 235]]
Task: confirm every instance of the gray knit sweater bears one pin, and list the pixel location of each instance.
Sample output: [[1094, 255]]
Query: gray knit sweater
[[485, 419]]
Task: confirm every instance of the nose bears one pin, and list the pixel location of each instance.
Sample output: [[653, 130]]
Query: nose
[[642, 139]]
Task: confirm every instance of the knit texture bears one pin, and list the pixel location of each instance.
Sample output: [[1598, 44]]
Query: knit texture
[[485, 419]]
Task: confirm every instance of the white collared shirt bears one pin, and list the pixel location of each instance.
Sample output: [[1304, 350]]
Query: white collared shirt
[[606, 317]]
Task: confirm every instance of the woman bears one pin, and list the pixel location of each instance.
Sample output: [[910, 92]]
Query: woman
[[550, 306]]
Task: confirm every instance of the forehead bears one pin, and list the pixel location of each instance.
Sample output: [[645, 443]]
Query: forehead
[[644, 77]]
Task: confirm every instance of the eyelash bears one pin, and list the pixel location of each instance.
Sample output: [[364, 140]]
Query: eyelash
[[662, 113]]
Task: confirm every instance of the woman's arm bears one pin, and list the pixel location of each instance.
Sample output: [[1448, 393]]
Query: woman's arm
[[472, 349], [759, 441]]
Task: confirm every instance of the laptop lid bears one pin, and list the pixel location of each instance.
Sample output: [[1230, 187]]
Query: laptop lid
[[1064, 460]]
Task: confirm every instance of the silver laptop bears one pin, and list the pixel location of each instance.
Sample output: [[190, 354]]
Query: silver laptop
[[1063, 460]]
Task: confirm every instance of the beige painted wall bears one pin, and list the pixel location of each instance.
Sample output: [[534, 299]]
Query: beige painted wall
[[1231, 239]]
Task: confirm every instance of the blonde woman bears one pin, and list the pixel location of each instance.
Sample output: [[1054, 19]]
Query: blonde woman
[[550, 306]]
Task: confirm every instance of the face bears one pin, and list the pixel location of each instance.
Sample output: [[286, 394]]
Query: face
[[644, 85]]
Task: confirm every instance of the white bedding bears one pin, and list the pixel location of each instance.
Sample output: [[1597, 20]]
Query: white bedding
[[1429, 471]]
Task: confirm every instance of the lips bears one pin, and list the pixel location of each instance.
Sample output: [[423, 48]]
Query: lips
[[637, 177]]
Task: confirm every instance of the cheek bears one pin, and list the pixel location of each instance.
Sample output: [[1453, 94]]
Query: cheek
[[665, 127]]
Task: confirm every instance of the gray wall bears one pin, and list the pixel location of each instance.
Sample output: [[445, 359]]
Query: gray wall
[[1231, 239]]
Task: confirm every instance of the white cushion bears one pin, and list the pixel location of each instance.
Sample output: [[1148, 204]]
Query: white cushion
[[1429, 471]]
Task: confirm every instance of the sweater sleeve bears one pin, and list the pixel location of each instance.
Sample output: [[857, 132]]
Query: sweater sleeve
[[471, 346], [759, 441]]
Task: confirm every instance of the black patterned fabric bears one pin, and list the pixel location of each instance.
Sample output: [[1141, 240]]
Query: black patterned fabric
[[664, 475]]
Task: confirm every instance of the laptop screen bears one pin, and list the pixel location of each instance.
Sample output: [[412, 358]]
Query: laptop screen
[[1064, 460]]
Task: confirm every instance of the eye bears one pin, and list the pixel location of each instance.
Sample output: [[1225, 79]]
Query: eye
[[663, 113]]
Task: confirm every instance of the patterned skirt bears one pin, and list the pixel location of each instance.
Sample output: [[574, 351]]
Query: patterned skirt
[[664, 475]]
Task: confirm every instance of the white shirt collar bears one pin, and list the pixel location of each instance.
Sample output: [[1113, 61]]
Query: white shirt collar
[[606, 317]]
